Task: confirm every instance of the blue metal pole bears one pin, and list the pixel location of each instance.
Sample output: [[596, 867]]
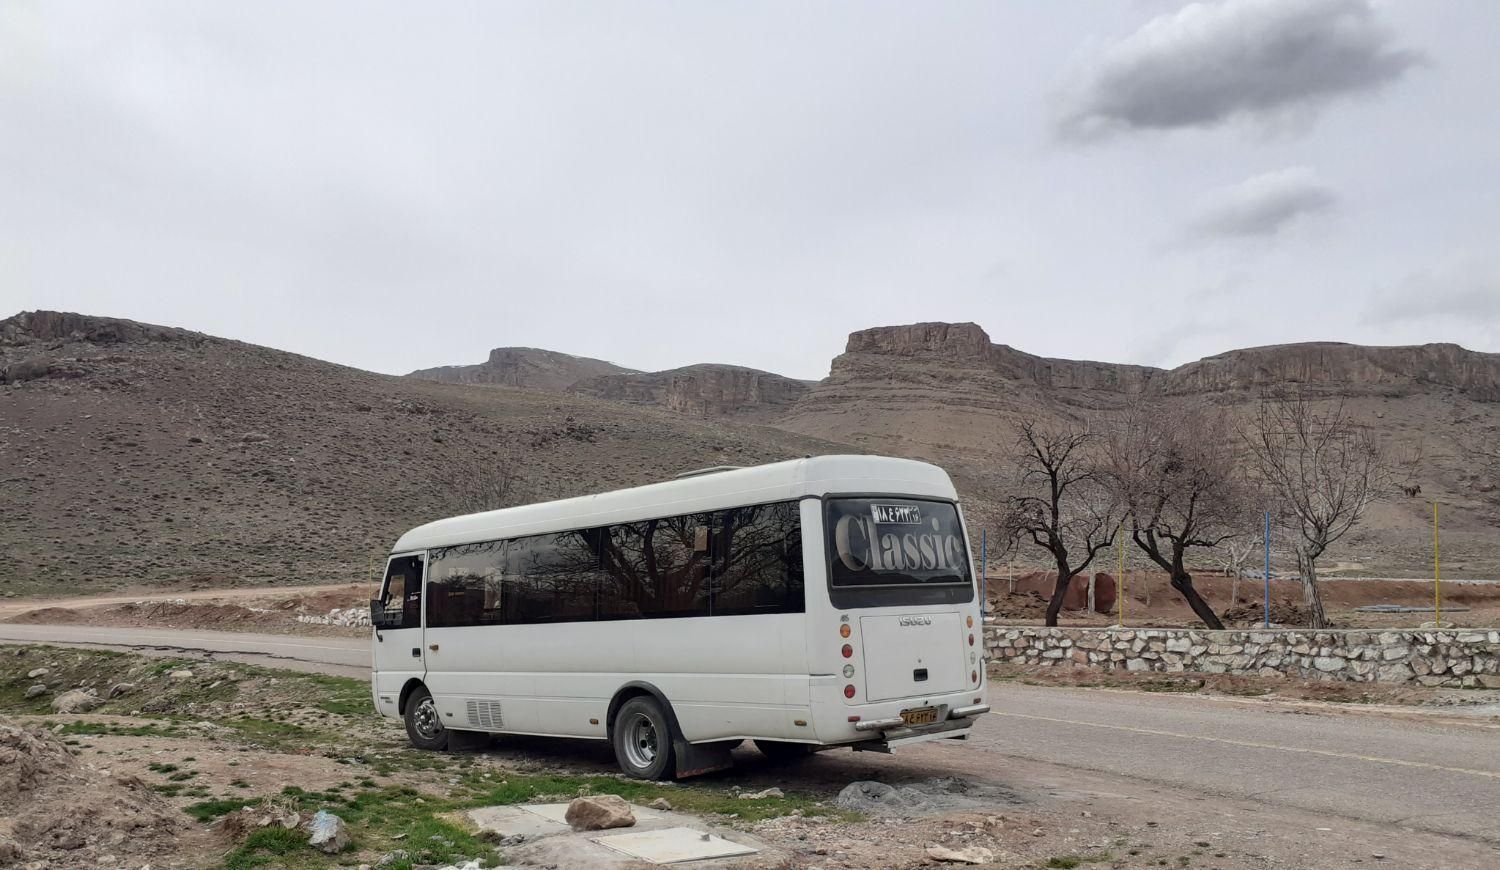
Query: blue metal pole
[[984, 573], [1268, 569]]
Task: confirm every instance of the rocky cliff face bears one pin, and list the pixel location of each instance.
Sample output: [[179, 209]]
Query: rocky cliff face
[[701, 391], [525, 367], [59, 326], [1328, 366], [1343, 369]]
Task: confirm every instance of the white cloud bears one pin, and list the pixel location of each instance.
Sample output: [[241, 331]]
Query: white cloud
[[1210, 63], [1263, 205], [1462, 293]]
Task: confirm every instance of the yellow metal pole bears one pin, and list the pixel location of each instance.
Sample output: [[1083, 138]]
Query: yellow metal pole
[[1120, 586], [1437, 572]]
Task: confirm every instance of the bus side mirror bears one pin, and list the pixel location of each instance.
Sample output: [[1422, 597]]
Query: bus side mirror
[[378, 616]]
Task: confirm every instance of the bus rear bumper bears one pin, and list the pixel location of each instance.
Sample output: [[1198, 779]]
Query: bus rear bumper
[[900, 734]]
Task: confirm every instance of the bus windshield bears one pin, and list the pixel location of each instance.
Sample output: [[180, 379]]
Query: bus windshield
[[896, 551]]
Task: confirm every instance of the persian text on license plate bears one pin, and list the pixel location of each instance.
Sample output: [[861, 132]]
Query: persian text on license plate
[[920, 716]]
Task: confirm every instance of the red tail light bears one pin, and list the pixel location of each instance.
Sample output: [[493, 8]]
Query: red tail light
[[848, 651], [848, 691], [974, 675], [971, 640]]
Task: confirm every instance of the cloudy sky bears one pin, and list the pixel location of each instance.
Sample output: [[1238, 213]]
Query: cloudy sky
[[665, 183]]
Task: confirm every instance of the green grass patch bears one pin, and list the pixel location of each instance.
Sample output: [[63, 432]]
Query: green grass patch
[[159, 767], [1168, 685], [207, 811], [268, 846]]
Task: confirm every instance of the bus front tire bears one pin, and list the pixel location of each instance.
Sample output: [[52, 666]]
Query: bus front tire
[[781, 752], [643, 739], [424, 728]]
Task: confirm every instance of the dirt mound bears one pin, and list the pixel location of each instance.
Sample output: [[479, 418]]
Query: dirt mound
[[1282, 613], [50, 616], [55, 810], [1022, 605]]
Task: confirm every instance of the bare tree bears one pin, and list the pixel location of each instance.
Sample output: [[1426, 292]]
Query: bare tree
[[1062, 504], [484, 484], [1322, 470], [1236, 555], [1176, 477]]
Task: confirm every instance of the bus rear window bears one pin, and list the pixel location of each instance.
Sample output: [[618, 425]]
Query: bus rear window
[[886, 545]]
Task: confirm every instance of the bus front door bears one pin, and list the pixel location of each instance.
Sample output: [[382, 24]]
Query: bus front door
[[397, 655]]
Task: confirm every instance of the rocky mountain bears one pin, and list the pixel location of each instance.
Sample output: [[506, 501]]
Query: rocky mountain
[[701, 391], [524, 367], [133, 454], [945, 392]]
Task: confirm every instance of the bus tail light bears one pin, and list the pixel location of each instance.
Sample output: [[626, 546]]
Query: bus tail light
[[971, 640], [849, 691], [848, 651], [973, 675], [844, 630]]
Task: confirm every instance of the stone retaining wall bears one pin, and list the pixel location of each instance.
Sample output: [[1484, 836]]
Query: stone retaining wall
[[1468, 658]]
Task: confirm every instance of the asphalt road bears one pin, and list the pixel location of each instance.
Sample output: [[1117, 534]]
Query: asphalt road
[[1415, 771], [343, 656]]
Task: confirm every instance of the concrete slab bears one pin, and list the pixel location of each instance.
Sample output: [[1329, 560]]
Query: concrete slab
[[674, 845], [509, 821], [558, 812]]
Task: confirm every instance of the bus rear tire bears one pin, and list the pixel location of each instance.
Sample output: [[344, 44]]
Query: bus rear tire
[[782, 752], [643, 739], [424, 728]]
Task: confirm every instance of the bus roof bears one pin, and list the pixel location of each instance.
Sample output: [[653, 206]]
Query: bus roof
[[778, 481]]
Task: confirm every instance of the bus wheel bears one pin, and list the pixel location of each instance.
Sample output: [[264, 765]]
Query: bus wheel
[[423, 726], [781, 752], [643, 739]]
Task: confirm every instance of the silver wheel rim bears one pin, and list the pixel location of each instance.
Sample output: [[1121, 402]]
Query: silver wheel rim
[[424, 720], [640, 741]]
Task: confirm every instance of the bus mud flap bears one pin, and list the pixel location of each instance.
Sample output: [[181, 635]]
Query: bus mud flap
[[698, 758]]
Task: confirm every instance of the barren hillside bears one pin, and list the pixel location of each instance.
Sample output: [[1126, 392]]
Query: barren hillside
[[135, 455]]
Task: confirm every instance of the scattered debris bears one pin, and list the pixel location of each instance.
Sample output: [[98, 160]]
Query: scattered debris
[[660, 804], [938, 795], [758, 795], [348, 617]]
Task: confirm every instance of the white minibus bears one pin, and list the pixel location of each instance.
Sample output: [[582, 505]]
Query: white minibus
[[808, 604]]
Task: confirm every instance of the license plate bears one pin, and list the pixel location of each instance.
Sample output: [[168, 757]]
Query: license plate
[[920, 716]]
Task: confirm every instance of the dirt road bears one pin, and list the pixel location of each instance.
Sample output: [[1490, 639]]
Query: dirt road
[[1402, 784]]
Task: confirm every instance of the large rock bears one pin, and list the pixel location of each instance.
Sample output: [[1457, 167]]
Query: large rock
[[599, 812], [971, 855], [76, 701], [328, 832], [38, 689]]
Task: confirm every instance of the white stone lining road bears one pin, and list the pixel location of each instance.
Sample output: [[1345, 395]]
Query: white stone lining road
[[1400, 769]]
